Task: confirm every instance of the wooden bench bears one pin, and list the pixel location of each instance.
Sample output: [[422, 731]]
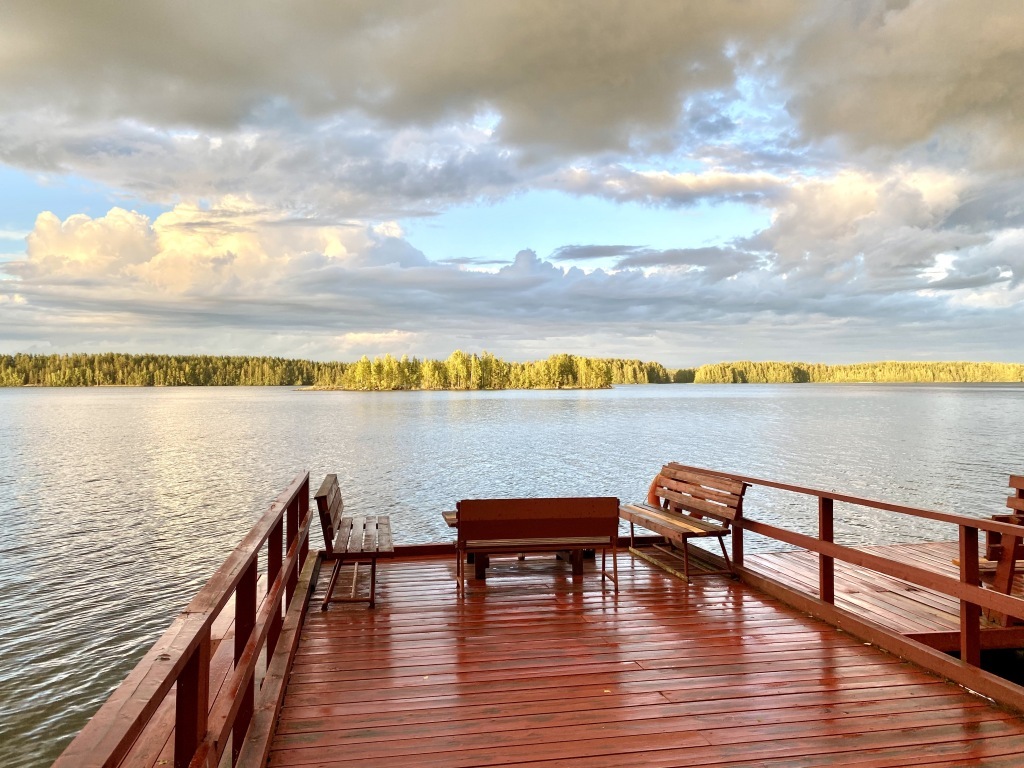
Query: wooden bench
[[498, 526], [1005, 552], [686, 503], [350, 540]]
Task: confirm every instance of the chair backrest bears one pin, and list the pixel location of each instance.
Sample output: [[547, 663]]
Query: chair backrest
[[488, 519], [330, 505], [695, 493]]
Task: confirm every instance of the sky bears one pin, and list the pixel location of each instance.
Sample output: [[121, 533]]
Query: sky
[[686, 182]]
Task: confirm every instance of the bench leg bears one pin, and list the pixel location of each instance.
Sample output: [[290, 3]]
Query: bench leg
[[728, 565], [615, 567], [373, 582], [686, 561], [336, 573], [614, 575], [330, 584]]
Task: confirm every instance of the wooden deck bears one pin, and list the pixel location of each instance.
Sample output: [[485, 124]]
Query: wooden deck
[[893, 603], [536, 669]]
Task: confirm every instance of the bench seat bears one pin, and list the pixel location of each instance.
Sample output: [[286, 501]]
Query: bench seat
[[668, 523]]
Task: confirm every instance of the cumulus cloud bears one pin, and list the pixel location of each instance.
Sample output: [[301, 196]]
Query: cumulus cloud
[[233, 273], [557, 73], [895, 74], [882, 139]]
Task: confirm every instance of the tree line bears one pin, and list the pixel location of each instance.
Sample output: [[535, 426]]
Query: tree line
[[461, 370], [748, 372]]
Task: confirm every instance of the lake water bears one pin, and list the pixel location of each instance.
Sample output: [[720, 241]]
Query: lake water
[[117, 504]]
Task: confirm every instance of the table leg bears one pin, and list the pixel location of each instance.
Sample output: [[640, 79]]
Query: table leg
[[480, 563], [577, 562]]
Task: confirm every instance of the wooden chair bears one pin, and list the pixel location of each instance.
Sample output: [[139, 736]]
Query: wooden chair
[[350, 540]]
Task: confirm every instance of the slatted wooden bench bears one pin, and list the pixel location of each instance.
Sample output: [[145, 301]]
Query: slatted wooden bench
[[351, 540], [1005, 552], [686, 503], [498, 526]]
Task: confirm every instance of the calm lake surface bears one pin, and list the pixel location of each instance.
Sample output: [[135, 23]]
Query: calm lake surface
[[118, 504]]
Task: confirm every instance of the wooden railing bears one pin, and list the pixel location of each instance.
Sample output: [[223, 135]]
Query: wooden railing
[[180, 662], [968, 590]]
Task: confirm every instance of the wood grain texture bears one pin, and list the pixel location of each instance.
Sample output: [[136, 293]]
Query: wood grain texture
[[539, 670], [899, 605]]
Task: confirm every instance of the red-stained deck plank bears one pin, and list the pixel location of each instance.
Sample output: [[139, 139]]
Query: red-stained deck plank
[[535, 669], [895, 604]]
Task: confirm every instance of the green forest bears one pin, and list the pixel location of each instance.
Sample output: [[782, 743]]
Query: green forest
[[460, 370], [747, 372]]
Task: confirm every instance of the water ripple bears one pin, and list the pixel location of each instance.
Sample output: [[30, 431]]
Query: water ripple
[[117, 504]]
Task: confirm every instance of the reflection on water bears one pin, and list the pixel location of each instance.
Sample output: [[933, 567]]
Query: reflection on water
[[117, 504]]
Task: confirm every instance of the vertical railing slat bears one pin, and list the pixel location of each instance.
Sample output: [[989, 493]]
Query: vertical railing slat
[[292, 516], [275, 556], [303, 499], [970, 613]]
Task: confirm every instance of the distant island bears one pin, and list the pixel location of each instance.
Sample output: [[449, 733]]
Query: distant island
[[461, 371]]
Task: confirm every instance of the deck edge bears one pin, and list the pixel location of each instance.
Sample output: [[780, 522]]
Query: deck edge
[[998, 689]]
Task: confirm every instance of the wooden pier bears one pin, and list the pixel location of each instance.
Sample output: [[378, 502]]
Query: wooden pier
[[818, 655], [536, 669]]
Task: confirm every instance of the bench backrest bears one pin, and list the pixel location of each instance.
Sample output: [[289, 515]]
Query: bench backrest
[[489, 519], [689, 491], [330, 506], [1016, 501], [993, 540]]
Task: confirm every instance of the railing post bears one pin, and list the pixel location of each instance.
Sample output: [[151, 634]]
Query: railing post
[[192, 703], [737, 533], [970, 613], [737, 546], [245, 622], [275, 556], [826, 564]]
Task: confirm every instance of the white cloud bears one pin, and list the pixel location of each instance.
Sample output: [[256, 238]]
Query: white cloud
[[883, 138], [662, 188], [232, 273]]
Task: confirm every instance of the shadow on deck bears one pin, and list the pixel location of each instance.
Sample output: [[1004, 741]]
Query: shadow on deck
[[533, 668]]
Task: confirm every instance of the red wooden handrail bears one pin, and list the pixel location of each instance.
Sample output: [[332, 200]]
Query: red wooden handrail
[[926, 514], [181, 657], [967, 589]]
